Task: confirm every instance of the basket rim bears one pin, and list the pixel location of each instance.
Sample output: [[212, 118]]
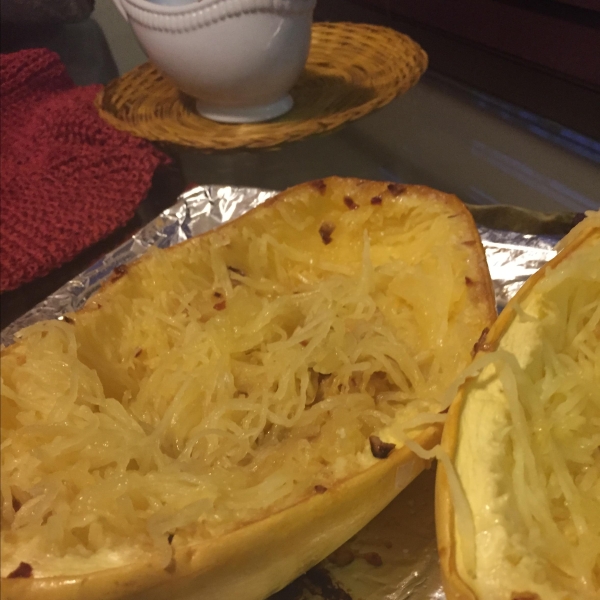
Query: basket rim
[[382, 75]]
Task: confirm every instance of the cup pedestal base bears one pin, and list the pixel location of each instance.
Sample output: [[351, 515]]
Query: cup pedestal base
[[253, 114]]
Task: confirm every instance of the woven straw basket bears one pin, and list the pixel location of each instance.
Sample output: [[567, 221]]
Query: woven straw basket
[[352, 70]]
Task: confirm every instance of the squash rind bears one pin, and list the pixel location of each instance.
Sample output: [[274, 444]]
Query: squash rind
[[454, 585]]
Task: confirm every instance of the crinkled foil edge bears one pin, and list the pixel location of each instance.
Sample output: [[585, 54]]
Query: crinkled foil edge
[[512, 257]]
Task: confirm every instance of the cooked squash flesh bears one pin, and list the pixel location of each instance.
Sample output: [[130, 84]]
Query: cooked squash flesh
[[528, 453], [218, 382]]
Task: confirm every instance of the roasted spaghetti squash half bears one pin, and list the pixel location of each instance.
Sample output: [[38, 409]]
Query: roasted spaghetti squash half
[[518, 504], [225, 413]]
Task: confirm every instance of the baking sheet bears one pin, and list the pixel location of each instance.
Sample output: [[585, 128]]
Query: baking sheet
[[394, 557]]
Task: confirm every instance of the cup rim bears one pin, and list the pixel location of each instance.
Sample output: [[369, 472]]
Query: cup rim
[[200, 5]]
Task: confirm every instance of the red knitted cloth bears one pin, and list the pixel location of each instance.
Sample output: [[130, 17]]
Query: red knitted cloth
[[67, 178]]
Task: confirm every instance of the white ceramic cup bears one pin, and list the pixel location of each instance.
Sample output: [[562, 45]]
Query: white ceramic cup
[[238, 58]]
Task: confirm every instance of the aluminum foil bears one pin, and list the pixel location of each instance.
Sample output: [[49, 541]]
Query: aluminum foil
[[394, 557], [512, 257], [196, 211]]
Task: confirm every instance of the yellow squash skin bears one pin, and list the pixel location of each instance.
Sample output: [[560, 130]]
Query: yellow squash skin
[[455, 587], [261, 557]]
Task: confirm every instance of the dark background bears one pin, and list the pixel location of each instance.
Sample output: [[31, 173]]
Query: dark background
[[542, 55]]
